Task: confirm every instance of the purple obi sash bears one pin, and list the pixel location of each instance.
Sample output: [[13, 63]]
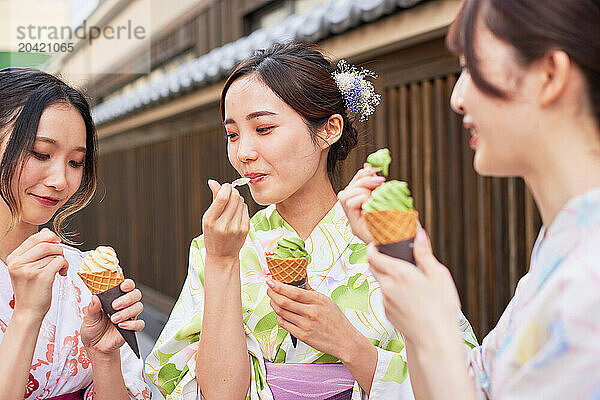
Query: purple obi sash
[[70, 396], [290, 381]]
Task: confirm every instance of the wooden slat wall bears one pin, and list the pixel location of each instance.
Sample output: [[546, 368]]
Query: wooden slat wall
[[483, 229]]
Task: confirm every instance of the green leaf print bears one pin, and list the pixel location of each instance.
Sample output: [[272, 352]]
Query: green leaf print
[[249, 259], [280, 356], [194, 326], [326, 359], [395, 345], [359, 253], [266, 324], [397, 370], [169, 376], [164, 358], [261, 223], [250, 296], [276, 221], [350, 297]]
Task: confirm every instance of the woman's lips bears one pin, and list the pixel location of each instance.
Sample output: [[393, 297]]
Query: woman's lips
[[473, 140], [46, 201], [255, 177]]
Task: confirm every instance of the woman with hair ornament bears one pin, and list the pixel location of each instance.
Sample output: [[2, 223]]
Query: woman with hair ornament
[[231, 334]]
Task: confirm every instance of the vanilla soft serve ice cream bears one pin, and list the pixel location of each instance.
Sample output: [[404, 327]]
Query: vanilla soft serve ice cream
[[104, 258], [100, 270]]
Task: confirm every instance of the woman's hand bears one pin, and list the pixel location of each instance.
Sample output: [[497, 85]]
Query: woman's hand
[[312, 317], [355, 194], [226, 222], [98, 334], [421, 302], [32, 267]]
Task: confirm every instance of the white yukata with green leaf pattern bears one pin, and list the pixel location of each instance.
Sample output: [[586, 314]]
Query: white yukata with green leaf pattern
[[337, 268]]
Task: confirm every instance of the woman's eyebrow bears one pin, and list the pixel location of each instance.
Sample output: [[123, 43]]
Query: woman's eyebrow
[[53, 142], [250, 116]]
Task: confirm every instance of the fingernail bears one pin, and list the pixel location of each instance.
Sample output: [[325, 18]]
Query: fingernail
[[115, 319], [421, 239], [270, 283], [378, 178], [116, 304]]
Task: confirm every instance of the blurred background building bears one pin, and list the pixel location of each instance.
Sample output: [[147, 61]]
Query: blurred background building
[[161, 138]]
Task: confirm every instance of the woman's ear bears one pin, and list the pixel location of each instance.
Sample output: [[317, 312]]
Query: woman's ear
[[332, 131], [555, 70]]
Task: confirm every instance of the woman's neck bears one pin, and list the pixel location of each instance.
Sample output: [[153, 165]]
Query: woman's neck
[[307, 207], [564, 170], [10, 240]]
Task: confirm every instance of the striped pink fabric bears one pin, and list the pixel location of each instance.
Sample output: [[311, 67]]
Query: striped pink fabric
[[290, 381]]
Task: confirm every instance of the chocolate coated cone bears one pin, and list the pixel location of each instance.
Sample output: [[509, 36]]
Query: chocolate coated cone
[[106, 298]]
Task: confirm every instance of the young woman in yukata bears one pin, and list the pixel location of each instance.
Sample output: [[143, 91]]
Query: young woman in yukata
[[530, 96], [228, 336], [55, 340]]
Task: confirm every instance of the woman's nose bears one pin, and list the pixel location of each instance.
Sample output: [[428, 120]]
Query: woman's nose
[[457, 98], [246, 150], [57, 177]]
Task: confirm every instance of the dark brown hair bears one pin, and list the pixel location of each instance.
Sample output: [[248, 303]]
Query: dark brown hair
[[532, 28], [301, 76], [25, 93]]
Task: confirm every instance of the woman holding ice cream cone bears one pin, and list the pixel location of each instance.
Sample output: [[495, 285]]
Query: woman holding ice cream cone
[[287, 115], [55, 340], [530, 96]]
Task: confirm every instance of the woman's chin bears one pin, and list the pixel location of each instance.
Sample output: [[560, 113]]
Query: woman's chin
[[265, 198]]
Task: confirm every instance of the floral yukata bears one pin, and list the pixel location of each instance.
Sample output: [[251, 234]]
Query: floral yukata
[[337, 268], [546, 344], [60, 364]]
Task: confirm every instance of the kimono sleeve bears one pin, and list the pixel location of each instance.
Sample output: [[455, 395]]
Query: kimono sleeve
[[172, 363], [556, 352], [479, 358]]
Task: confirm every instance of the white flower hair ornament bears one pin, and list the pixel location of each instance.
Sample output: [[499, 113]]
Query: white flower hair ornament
[[359, 93]]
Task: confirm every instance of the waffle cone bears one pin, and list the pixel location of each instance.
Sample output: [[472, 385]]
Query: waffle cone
[[99, 282], [390, 226], [287, 270]]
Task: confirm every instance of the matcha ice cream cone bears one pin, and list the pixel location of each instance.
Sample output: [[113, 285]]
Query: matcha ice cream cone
[[390, 215], [287, 264], [102, 274]]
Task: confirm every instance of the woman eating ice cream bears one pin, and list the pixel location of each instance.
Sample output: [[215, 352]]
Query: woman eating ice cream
[[55, 340], [287, 115]]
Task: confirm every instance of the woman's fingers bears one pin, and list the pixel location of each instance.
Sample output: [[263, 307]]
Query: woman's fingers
[[228, 216], [58, 264], [214, 187], [127, 299], [133, 325], [45, 235], [40, 251], [357, 199], [423, 252], [130, 312], [285, 303], [294, 318], [219, 203]]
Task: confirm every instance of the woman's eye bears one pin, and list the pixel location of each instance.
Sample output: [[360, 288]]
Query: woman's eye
[[264, 129], [230, 136], [76, 164], [40, 156]]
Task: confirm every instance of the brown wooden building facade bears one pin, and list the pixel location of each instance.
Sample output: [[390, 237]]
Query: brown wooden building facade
[[155, 162]]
